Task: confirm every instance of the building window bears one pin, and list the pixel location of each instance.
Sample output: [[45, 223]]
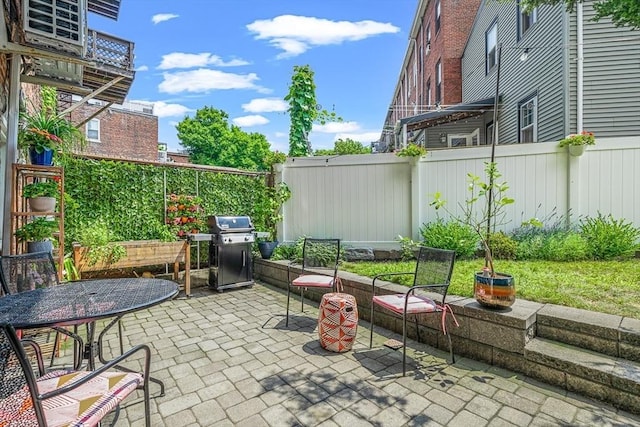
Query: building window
[[438, 83], [527, 112], [429, 93], [427, 40], [93, 130], [491, 47], [526, 20], [438, 13], [488, 134]]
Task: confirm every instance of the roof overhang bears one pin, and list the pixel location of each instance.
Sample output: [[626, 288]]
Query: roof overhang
[[448, 115]]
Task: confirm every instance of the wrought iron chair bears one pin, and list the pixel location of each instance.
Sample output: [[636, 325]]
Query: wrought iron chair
[[320, 259], [433, 273], [64, 397], [24, 272]]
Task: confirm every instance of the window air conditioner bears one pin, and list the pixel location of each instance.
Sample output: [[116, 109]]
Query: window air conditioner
[[56, 24]]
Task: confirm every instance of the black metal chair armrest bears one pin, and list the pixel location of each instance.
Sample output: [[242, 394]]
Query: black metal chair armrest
[[38, 353], [443, 286], [115, 363], [373, 283]]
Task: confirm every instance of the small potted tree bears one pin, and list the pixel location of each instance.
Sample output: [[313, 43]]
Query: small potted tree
[[276, 196], [491, 289], [37, 234], [41, 195]]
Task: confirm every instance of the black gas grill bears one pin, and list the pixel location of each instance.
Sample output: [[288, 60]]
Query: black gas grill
[[230, 252]]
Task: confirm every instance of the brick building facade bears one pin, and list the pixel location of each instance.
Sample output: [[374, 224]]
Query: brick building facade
[[128, 131], [430, 77]]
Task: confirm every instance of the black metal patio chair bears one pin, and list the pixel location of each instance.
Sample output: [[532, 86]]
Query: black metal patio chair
[[434, 268], [320, 258]]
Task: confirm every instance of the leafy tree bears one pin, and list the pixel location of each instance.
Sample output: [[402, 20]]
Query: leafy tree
[[210, 140], [343, 147], [621, 12], [304, 110]]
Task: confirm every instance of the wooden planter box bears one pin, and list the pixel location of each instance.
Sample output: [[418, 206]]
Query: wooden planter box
[[141, 253]]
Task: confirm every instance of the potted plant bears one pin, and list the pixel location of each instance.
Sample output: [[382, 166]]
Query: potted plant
[[276, 196], [41, 195], [37, 234], [492, 289], [184, 214], [412, 150], [44, 133], [578, 142]]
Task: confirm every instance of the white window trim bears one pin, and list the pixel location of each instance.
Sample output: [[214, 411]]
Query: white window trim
[[521, 13], [494, 48], [97, 121], [468, 137], [534, 125]]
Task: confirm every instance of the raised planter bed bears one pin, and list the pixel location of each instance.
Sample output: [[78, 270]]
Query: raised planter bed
[[142, 253]]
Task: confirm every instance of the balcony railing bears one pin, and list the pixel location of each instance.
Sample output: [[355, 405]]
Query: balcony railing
[[109, 50]]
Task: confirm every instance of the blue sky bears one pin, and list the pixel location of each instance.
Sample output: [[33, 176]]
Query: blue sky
[[238, 56]]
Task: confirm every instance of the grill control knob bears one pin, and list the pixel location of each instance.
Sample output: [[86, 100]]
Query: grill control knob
[[246, 238]]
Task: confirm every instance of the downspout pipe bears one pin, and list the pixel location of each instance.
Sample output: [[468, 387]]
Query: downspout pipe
[[580, 71]]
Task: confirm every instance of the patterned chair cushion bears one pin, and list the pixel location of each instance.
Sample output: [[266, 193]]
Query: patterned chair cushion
[[417, 304], [313, 281], [84, 406]]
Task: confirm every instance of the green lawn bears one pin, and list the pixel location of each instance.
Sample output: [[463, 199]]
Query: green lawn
[[607, 286]]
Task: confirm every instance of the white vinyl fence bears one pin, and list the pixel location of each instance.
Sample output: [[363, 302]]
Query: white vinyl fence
[[369, 200]]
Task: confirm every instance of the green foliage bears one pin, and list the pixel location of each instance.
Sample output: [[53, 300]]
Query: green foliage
[[582, 138], [211, 140], [41, 189], [608, 238], [304, 110], [621, 12], [452, 235], [99, 238], [37, 230], [184, 214], [502, 246], [484, 219], [275, 157], [408, 248], [70, 272], [43, 130], [49, 99], [130, 197], [343, 147], [604, 286], [412, 150], [271, 211]]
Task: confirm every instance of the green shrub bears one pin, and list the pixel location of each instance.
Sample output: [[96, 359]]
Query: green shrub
[[408, 248], [502, 246], [608, 238], [451, 235], [569, 246]]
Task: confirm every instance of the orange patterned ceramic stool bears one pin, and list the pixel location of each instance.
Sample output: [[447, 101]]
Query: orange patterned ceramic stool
[[338, 321]]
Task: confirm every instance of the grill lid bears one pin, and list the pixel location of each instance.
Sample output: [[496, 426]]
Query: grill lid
[[229, 224]]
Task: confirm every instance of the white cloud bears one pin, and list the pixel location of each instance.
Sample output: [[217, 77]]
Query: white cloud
[[265, 105], [204, 80], [296, 34], [192, 60], [248, 121], [335, 127], [161, 17], [364, 137], [162, 109], [142, 68]]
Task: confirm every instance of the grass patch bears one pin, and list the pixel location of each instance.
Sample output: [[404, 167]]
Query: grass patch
[[611, 287]]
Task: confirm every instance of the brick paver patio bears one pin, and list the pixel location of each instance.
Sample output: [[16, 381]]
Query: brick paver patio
[[222, 368]]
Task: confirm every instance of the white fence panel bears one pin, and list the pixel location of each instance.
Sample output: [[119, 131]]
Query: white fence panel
[[360, 199], [369, 200]]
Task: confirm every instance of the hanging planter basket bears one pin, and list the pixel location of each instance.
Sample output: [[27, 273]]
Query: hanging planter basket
[[576, 150]]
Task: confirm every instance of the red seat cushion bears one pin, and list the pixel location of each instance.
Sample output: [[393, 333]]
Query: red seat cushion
[[313, 281], [417, 304]]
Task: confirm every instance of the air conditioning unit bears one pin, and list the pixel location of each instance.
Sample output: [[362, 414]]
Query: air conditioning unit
[[162, 156], [56, 24]]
